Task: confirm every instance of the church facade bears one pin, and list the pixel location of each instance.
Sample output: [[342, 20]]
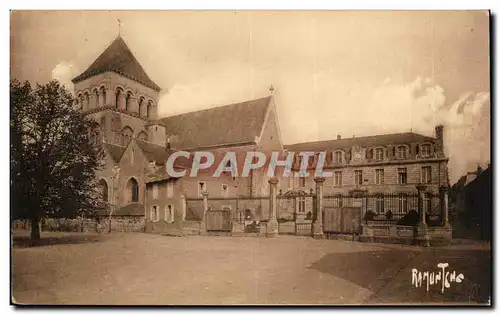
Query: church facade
[[116, 91]]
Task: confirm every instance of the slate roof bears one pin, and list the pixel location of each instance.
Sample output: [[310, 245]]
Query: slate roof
[[154, 152], [159, 175], [118, 58], [370, 141], [115, 151], [224, 125], [133, 208]]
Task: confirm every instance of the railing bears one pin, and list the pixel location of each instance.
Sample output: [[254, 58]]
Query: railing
[[243, 208], [388, 209]]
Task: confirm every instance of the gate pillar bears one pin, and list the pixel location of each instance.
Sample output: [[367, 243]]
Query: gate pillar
[[272, 224], [203, 226], [422, 236], [443, 194], [318, 218]]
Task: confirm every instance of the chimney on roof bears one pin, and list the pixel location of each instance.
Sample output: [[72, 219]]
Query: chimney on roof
[[339, 137], [168, 143], [439, 132]]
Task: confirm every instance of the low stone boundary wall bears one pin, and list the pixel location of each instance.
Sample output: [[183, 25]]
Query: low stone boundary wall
[[100, 224], [403, 234]]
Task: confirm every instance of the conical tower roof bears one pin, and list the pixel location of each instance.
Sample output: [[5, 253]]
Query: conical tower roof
[[118, 58]]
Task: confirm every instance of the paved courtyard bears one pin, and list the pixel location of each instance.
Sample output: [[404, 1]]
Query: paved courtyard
[[139, 269]]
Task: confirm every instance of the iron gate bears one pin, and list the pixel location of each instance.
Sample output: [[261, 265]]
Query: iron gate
[[218, 220]]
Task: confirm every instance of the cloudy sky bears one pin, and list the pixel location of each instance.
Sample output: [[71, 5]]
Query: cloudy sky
[[348, 73]]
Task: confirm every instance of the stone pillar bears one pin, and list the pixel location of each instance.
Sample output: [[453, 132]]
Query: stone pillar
[[443, 194], [318, 218], [422, 237], [272, 224], [203, 227], [421, 206], [183, 207]]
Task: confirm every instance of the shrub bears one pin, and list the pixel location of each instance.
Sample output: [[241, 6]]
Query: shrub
[[410, 219], [369, 215], [388, 215], [309, 215]]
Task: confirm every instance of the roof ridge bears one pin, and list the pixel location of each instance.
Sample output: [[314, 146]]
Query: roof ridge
[[363, 137], [118, 57], [215, 107]]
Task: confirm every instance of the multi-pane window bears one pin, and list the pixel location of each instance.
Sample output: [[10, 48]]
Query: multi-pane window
[[379, 176], [426, 150], [403, 203], [402, 176], [225, 191], [358, 177], [379, 204], [154, 215], [338, 157], [427, 203], [169, 214], [302, 182], [170, 189], [337, 178], [155, 191], [201, 188], [401, 152], [379, 154], [337, 201], [425, 176], [302, 204]]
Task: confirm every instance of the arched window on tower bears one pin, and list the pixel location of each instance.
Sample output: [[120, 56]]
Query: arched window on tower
[[104, 190], [127, 101], [118, 97], [97, 98], [87, 100], [127, 133], [142, 107], [150, 110], [102, 91], [133, 190]]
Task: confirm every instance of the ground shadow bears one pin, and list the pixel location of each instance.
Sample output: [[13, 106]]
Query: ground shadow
[[23, 241], [388, 274]]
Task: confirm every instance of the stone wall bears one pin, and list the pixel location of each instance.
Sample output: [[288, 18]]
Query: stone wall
[[403, 234], [101, 224]]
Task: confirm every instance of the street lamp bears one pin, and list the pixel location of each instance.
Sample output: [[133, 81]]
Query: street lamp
[[116, 174]]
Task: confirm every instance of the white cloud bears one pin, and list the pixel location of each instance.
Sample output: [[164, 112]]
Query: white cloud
[[64, 72], [347, 106], [467, 134]]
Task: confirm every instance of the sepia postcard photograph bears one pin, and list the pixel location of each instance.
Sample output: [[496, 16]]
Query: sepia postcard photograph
[[239, 157]]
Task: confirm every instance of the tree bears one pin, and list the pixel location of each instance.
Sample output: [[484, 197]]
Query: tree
[[54, 156]]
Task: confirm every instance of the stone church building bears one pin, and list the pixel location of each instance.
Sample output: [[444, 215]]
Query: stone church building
[[116, 91]]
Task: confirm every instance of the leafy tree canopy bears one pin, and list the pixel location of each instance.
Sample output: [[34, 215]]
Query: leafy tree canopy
[[54, 154]]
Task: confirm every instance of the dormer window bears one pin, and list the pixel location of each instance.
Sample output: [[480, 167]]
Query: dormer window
[[402, 152], [425, 150], [337, 157], [379, 154]]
